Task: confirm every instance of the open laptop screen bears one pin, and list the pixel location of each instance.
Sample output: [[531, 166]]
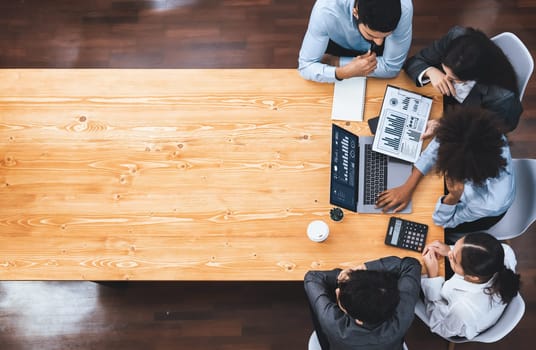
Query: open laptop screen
[[344, 168]]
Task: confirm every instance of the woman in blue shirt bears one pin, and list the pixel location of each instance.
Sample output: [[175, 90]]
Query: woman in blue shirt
[[472, 153]]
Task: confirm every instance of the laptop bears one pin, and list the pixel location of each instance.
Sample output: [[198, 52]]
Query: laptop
[[403, 118], [359, 174]]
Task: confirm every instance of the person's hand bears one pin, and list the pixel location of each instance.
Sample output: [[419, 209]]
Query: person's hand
[[361, 267], [344, 275], [396, 198], [440, 81], [431, 263], [455, 189], [330, 60], [359, 66], [437, 248], [430, 130]]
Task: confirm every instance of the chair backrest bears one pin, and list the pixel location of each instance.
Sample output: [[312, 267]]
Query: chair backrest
[[518, 55], [522, 213], [509, 319], [314, 344], [511, 316]]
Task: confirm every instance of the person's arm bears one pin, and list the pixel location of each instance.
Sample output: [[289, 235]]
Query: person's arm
[[358, 66], [396, 46], [409, 284], [505, 104], [398, 198], [320, 289], [444, 319], [430, 56], [314, 45]]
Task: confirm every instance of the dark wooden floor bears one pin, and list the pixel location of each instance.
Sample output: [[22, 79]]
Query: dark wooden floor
[[212, 34]]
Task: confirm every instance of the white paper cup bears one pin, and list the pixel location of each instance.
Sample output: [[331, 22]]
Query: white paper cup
[[318, 231]]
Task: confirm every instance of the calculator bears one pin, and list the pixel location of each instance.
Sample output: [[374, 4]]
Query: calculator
[[406, 234]]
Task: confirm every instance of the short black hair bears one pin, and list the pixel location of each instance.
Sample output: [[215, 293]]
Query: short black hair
[[470, 145], [379, 15], [370, 296]]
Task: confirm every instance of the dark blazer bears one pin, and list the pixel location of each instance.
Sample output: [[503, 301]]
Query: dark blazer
[[503, 102], [341, 330]]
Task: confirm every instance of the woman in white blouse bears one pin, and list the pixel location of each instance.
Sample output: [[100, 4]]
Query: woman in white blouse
[[484, 282]]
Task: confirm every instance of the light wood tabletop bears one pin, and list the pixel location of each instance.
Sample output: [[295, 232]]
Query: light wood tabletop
[[179, 175]]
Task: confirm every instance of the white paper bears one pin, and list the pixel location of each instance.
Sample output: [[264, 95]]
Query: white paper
[[349, 99], [402, 121]]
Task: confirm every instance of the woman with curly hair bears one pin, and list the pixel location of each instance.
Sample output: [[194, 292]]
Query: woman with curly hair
[[470, 150]]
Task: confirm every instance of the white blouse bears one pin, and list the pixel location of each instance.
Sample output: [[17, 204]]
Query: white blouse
[[461, 308]]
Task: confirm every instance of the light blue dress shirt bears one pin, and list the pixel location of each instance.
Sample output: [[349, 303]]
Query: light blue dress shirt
[[492, 198], [333, 19]]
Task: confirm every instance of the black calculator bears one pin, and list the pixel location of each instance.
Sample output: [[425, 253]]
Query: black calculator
[[406, 234]]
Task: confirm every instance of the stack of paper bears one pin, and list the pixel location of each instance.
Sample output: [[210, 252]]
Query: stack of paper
[[349, 99]]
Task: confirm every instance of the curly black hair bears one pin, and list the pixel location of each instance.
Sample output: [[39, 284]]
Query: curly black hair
[[470, 145]]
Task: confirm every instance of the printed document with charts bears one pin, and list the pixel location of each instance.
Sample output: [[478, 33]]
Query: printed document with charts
[[349, 99], [403, 119]]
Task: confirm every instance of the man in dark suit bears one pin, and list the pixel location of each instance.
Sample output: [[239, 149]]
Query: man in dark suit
[[370, 307]]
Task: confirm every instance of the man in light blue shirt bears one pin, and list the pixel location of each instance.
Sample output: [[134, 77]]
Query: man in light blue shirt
[[349, 38], [471, 151]]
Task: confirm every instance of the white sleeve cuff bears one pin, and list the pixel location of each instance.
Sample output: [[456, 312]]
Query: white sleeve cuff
[[422, 80]]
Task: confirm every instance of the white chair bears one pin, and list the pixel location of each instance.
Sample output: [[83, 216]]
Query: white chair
[[509, 319], [315, 345], [518, 55], [522, 213]]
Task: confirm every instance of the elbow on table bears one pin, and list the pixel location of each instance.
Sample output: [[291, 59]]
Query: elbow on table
[[389, 73]]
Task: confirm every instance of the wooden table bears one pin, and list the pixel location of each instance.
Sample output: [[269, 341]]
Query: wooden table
[[178, 175]]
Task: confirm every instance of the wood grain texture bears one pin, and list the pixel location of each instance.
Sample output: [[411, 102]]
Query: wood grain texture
[[177, 175]]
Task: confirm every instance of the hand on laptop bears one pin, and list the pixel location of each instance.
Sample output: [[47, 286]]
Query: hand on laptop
[[395, 199], [398, 198]]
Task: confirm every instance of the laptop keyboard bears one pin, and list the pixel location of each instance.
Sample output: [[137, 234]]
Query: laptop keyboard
[[375, 174]]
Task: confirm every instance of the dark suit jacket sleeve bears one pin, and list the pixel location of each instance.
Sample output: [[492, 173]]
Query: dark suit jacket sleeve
[[320, 289], [409, 285], [432, 55], [505, 104]]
